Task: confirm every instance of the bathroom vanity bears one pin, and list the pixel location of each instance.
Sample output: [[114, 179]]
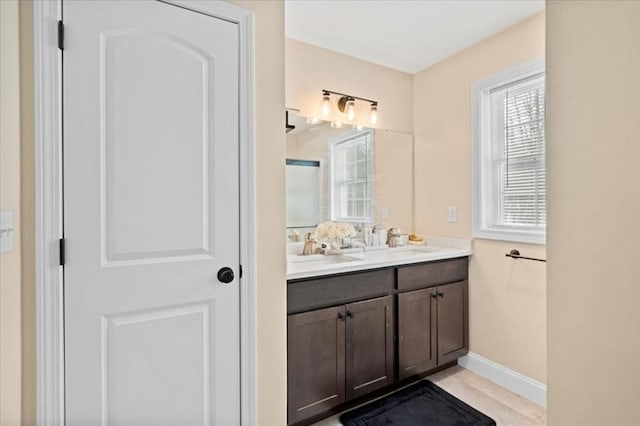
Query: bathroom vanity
[[365, 323]]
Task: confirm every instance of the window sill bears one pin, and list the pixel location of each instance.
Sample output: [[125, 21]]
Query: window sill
[[512, 236]]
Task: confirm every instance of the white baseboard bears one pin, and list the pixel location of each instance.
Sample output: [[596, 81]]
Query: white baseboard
[[524, 386]]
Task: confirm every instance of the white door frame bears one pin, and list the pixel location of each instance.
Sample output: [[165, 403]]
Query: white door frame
[[48, 226]]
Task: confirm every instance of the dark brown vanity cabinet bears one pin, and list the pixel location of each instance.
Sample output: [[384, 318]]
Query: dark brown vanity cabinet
[[345, 331], [337, 354], [432, 320], [432, 327]]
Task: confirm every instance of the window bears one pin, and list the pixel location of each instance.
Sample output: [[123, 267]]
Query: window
[[509, 155], [352, 177]]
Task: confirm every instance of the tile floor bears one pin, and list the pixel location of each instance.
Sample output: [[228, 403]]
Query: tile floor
[[502, 405]]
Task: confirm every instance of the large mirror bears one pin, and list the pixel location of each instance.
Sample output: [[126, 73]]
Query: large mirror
[[357, 175]]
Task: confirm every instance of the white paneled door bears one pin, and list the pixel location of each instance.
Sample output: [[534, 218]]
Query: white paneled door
[[151, 215]]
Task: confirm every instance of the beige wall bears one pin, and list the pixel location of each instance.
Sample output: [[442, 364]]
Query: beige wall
[[27, 216], [270, 211], [593, 128], [309, 69], [10, 310], [507, 297], [393, 179]]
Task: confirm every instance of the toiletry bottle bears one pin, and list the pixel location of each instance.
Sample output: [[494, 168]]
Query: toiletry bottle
[[381, 235], [367, 236]]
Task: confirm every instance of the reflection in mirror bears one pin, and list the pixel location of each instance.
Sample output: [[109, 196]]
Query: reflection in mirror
[[360, 176], [304, 194]]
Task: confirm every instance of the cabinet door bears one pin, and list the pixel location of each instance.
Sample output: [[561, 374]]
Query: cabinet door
[[316, 362], [453, 332], [369, 345], [416, 332]]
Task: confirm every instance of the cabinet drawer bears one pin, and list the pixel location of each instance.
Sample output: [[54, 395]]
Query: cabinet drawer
[[433, 273], [322, 292]]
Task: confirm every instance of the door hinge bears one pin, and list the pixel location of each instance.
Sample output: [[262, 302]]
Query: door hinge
[[62, 251], [60, 35], [240, 271]]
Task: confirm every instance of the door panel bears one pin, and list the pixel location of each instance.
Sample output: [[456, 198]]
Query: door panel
[[156, 154], [416, 332], [369, 345], [453, 334], [151, 196], [178, 337], [315, 361]]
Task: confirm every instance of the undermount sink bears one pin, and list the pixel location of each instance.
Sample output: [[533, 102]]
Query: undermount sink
[[321, 259], [396, 253], [373, 255]]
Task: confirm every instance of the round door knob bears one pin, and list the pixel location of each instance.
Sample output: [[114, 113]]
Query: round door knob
[[225, 275]]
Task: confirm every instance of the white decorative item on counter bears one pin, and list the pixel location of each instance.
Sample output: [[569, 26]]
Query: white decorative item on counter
[[333, 230], [335, 233]]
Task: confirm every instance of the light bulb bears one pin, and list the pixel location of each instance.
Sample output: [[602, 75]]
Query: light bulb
[[374, 113], [326, 105], [351, 109]]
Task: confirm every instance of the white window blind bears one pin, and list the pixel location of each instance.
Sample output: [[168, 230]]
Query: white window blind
[[519, 153], [509, 155], [352, 178]]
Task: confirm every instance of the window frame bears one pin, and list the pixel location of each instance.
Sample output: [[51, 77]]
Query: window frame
[[484, 226], [334, 143]]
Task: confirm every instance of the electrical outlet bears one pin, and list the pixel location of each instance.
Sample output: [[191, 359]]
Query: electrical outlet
[[385, 213], [452, 214]]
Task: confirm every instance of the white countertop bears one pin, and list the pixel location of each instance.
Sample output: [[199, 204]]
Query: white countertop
[[299, 266]]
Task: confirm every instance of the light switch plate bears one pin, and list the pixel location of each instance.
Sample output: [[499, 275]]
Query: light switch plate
[[452, 214], [6, 232]]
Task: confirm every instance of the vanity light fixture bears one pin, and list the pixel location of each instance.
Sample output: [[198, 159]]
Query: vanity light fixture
[[351, 109], [326, 104], [374, 113], [347, 105]]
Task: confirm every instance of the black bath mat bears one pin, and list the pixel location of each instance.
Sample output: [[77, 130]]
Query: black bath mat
[[421, 404]]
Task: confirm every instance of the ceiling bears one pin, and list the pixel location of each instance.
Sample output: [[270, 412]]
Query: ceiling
[[407, 35]]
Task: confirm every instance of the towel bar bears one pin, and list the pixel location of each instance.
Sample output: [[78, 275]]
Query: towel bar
[[515, 254]]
